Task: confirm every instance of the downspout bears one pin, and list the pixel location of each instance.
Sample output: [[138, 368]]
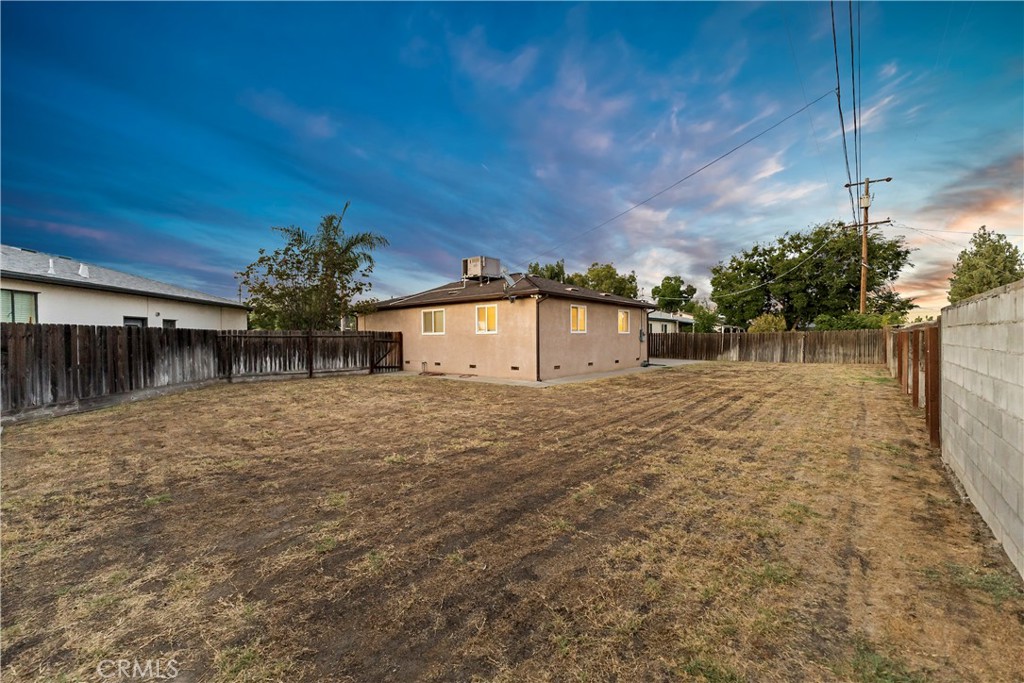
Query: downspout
[[538, 299]]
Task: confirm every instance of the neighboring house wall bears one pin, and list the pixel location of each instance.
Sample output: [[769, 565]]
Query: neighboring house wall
[[983, 408], [598, 349], [513, 345], [81, 306]]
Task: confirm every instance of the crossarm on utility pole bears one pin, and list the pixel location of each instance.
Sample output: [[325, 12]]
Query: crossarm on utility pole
[[865, 202]]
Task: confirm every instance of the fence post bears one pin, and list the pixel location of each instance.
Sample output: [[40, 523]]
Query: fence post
[[915, 367], [401, 352], [933, 384], [309, 353]]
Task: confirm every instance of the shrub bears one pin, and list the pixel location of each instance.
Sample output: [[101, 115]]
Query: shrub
[[851, 321], [768, 322]]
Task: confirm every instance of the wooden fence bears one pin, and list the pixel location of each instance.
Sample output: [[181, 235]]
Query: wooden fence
[[915, 360], [71, 365], [846, 346]]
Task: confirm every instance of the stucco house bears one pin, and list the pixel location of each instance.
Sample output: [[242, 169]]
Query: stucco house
[[660, 321], [514, 326], [40, 288]]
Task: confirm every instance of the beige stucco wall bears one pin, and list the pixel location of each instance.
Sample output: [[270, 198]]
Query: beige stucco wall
[[515, 344], [460, 347], [598, 349], [79, 306]]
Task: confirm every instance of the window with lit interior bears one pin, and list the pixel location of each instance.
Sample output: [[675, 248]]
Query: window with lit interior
[[487, 319], [577, 319], [623, 322]]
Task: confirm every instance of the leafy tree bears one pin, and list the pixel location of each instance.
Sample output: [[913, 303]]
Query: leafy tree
[[604, 278], [891, 305], [850, 321], [600, 276], [309, 283], [704, 319], [767, 322], [805, 274], [989, 262], [552, 271], [673, 294]]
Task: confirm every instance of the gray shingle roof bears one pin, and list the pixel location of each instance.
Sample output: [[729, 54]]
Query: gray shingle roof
[[26, 264], [489, 290]]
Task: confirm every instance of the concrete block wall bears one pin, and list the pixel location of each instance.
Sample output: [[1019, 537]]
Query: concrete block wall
[[983, 408]]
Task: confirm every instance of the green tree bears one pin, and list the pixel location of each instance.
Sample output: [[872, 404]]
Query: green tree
[[805, 274], [309, 283], [673, 294], [892, 306], [850, 321], [767, 322], [704, 318], [604, 278], [552, 271], [989, 262], [600, 276]]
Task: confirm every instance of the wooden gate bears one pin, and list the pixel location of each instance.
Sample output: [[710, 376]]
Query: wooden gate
[[386, 354]]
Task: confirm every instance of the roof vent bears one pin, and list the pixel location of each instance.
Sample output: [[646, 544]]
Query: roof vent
[[50, 270], [83, 270]]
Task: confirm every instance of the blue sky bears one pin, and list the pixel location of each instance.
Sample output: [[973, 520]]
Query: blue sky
[[166, 139]]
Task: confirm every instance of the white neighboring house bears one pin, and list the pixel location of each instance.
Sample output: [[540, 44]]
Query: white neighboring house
[[40, 288], [660, 321]]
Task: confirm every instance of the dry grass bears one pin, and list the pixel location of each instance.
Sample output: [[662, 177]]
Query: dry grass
[[720, 522]]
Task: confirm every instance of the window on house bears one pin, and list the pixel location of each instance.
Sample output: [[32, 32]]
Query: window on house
[[170, 324], [19, 307], [134, 322], [577, 318], [623, 322], [487, 319], [433, 321], [664, 327]]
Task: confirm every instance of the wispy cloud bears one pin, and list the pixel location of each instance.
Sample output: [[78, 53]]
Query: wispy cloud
[[67, 229], [489, 66], [275, 107]]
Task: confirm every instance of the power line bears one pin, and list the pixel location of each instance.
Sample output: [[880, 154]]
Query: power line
[[688, 176], [969, 234], [860, 97], [777, 277], [839, 102], [853, 99]]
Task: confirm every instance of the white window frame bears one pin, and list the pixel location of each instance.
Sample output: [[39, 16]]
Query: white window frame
[[476, 321], [582, 308], [618, 319], [432, 311]]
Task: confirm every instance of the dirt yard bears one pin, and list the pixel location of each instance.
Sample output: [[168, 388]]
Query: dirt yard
[[714, 522]]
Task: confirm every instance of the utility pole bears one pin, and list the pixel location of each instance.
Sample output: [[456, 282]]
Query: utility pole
[[865, 202]]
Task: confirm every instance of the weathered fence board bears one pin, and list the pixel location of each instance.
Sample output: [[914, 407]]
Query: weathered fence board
[[915, 356], [53, 365], [845, 346]]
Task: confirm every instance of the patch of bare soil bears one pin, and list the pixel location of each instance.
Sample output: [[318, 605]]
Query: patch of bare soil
[[719, 522]]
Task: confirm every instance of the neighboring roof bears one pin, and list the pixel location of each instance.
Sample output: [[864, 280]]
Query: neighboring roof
[[26, 264], [677, 317], [494, 289]]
